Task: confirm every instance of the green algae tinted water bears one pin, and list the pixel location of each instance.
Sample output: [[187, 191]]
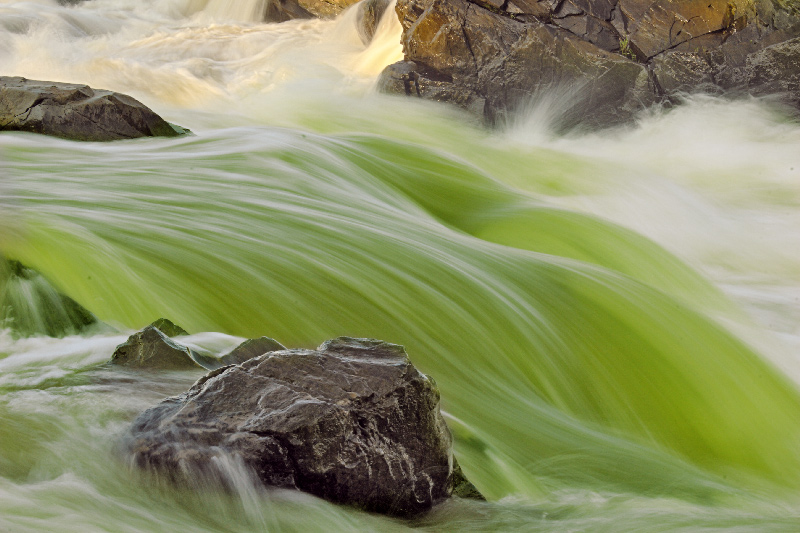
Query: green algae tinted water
[[612, 318]]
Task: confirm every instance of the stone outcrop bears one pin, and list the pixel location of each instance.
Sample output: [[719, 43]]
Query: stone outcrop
[[600, 60], [352, 422], [77, 112]]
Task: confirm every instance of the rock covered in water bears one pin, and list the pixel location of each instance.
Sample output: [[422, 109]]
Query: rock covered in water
[[31, 305], [352, 422], [370, 13], [283, 10], [75, 111]]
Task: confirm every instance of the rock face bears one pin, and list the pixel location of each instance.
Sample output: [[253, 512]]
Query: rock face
[[601, 60], [352, 422], [76, 112]]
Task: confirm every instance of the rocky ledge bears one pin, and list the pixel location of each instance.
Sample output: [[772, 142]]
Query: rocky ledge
[[352, 422], [599, 60], [76, 112]]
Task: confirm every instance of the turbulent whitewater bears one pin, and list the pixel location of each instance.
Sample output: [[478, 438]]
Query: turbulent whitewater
[[613, 317]]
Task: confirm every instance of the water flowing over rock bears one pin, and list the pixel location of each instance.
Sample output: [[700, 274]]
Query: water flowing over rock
[[31, 305], [370, 13], [153, 348], [283, 10], [76, 112], [352, 422], [598, 60]]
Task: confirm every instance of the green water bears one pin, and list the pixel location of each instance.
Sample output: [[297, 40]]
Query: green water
[[594, 380]]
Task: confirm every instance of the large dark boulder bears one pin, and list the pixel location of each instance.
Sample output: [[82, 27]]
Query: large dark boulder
[[352, 422], [599, 61], [77, 112]]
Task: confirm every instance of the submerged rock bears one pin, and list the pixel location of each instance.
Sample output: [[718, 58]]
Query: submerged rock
[[598, 61], [283, 10], [352, 422], [370, 13], [76, 112], [31, 305]]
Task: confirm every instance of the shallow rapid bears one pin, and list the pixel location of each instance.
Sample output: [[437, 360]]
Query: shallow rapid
[[613, 317]]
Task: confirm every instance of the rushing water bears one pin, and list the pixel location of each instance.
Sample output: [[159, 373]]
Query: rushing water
[[613, 318]]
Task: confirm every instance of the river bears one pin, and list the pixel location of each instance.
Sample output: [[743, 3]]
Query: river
[[613, 317]]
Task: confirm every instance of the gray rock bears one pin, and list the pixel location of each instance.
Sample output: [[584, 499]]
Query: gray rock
[[75, 111], [150, 348], [352, 422]]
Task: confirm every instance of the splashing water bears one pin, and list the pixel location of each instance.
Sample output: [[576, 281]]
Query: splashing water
[[605, 313]]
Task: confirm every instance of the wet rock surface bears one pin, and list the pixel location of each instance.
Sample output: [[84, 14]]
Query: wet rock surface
[[352, 422], [600, 60], [151, 348], [76, 112]]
